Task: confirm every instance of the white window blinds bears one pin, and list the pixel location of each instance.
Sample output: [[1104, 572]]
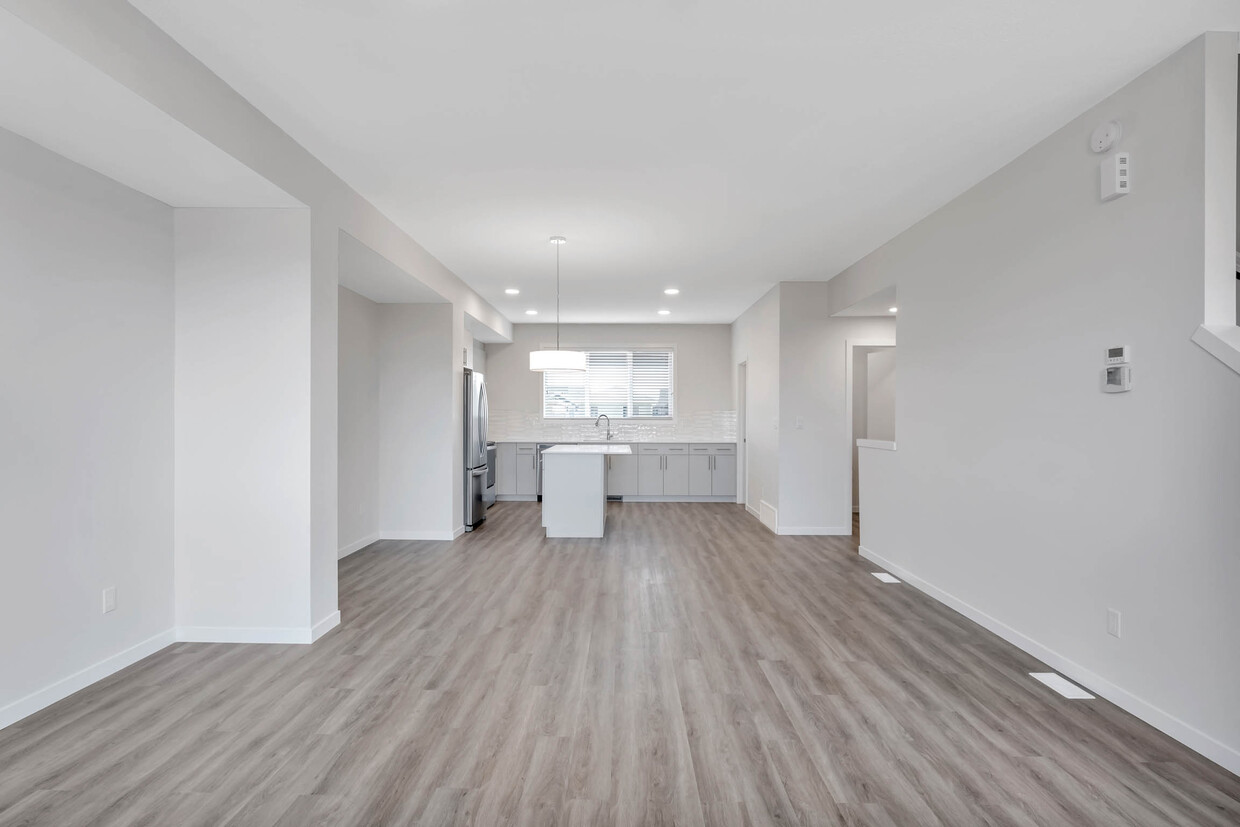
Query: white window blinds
[[620, 383]]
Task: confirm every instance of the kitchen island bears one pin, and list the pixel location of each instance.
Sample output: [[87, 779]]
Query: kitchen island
[[574, 488]]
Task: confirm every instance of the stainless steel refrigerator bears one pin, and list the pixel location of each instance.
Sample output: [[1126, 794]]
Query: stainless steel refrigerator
[[475, 449]]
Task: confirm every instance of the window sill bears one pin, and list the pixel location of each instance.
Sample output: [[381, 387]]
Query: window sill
[[1222, 342]]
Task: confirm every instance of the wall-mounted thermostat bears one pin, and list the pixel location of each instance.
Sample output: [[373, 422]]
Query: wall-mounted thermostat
[[1117, 379], [1121, 355], [1116, 176]]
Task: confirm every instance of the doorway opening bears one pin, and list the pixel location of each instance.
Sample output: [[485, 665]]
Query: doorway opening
[[742, 434], [871, 390]]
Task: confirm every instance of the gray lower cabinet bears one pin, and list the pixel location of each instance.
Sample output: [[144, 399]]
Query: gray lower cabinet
[[506, 469], [675, 474], [622, 475], [653, 470], [700, 475], [650, 474], [723, 476], [527, 469], [712, 470]]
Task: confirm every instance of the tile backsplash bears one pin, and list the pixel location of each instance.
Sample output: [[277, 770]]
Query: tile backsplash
[[694, 426]]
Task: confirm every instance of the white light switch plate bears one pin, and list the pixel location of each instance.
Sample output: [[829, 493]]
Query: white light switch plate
[[1113, 628], [109, 599]]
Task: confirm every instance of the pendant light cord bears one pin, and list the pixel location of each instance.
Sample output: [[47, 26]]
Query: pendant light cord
[[557, 296]]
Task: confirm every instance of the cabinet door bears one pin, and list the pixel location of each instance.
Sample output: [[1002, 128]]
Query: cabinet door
[[527, 472], [699, 475], [650, 474], [724, 477], [506, 469], [676, 474], [621, 475]]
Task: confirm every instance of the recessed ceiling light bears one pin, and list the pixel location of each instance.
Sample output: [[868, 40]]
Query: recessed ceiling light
[[512, 291], [664, 312], [892, 309], [531, 312], [672, 291]]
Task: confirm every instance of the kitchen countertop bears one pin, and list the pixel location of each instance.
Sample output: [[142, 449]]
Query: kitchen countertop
[[616, 441], [593, 448]]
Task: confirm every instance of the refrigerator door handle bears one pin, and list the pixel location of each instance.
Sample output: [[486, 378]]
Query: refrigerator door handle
[[478, 472]]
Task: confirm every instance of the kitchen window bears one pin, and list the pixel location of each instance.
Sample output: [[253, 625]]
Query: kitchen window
[[624, 384]]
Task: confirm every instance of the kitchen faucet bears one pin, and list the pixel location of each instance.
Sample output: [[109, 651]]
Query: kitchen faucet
[[608, 418]]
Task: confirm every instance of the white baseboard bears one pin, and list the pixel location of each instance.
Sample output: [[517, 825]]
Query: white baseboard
[[751, 510], [815, 531], [357, 545], [769, 515], [516, 498], [65, 687], [1218, 752], [419, 535], [459, 532], [677, 498], [243, 634], [324, 626]]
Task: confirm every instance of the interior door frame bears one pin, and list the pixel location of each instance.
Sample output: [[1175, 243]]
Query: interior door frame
[[850, 346], [742, 433]]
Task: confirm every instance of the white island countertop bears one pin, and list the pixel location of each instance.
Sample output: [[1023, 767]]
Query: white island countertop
[[592, 448]]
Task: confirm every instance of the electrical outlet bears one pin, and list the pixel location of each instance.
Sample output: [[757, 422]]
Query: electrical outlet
[[1113, 622], [109, 599]]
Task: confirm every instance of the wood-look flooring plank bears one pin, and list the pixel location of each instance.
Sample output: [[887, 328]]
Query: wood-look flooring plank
[[690, 668]]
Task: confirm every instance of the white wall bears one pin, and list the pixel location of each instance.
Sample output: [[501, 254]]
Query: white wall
[[479, 360], [703, 374], [1077, 501], [755, 341], [420, 427], [860, 395], [243, 411], [359, 422], [86, 356], [880, 409], [815, 445], [117, 39]]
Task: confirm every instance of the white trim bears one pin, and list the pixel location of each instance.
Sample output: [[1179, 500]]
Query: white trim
[[244, 634], [324, 626], [1218, 752], [516, 498], [63, 688], [1222, 342], [678, 498], [853, 452], [458, 532], [752, 510], [813, 531], [422, 535], [357, 545], [768, 515], [880, 444]]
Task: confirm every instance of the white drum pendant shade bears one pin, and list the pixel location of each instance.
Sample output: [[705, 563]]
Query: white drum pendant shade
[[545, 360], [541, 360]]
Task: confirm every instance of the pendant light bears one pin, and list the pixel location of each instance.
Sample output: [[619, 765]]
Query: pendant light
[[544, 360]]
